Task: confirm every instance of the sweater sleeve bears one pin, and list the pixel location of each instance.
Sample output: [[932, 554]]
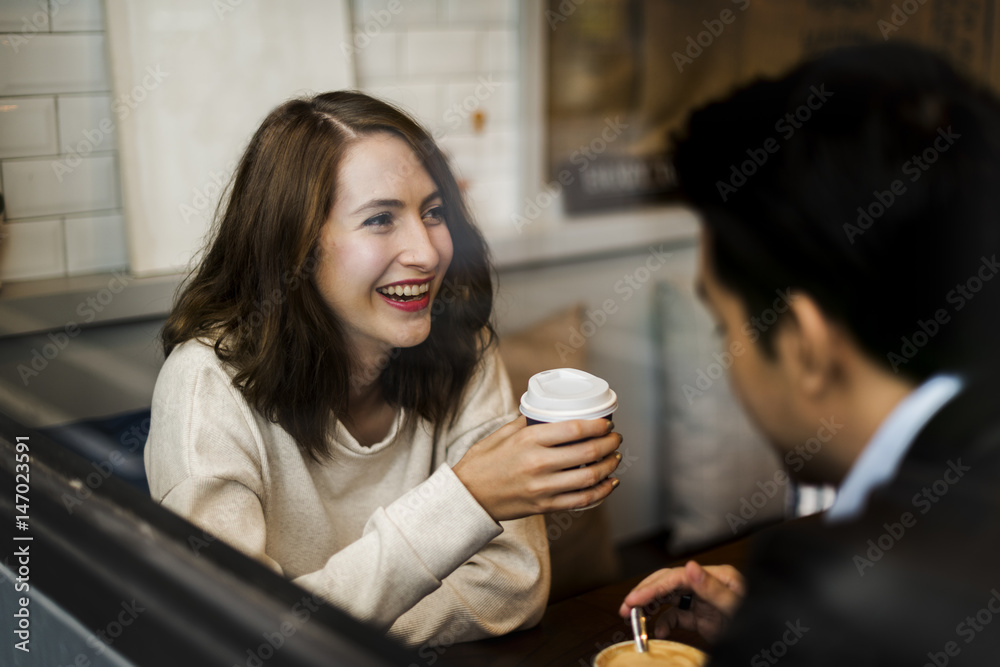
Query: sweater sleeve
[[505, 585], [204, 461], [408, 548]]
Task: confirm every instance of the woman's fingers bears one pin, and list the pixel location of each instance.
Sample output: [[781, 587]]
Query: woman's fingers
[[504, 432], [578, 479], [518, 470], [583, 453], [578, 499], [560, 433], [584, 482]]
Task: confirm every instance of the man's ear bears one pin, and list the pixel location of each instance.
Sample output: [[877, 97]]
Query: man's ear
[[808, 344]]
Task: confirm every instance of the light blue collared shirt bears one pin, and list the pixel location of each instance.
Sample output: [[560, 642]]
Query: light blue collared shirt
[[882, 456]]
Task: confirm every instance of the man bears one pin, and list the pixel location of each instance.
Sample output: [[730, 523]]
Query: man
[[866, 184]]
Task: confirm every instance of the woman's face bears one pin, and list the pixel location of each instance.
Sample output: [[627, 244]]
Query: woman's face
[[385, 248]]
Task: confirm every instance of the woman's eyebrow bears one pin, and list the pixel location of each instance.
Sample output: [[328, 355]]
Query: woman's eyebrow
[[379, 203], [429, 198], [394, 203]]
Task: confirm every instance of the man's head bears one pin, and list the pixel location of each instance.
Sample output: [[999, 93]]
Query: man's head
[[852, 213]]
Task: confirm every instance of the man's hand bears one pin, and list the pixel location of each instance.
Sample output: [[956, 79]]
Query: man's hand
[[718, 591]]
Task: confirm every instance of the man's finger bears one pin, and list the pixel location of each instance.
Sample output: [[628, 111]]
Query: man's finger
[[656, 586], [675, 618], [710, 589], [728, 575]]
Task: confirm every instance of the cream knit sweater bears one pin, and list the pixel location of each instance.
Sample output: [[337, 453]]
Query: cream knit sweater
[[387, 533]]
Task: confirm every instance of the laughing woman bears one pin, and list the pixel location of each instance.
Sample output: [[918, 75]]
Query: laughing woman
[[332, 403]]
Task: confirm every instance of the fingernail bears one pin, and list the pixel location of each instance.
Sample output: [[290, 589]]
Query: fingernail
[[618, 455], [615, 482], [611, 427]]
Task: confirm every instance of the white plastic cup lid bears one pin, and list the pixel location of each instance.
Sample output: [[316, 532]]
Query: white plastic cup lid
[[562, 394]]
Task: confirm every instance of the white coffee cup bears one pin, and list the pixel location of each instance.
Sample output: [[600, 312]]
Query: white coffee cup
[[562, 394]]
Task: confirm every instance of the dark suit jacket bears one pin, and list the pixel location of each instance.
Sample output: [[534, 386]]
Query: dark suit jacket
[[914, 581]]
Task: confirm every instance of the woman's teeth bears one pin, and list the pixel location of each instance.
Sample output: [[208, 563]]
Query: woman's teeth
[[407, 292]]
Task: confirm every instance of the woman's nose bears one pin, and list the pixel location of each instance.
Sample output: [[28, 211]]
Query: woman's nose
[[418, 248]]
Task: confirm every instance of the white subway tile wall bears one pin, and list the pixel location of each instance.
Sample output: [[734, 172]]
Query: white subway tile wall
[[86, 124], [499, 51], [479, 12], [58, 165], [381, 56], [449, 63], [27, 126], [436, 52], [18, 15], [94, 243], [74, 15], [417, 12], [33, 249], [55, 186], [53, 63]]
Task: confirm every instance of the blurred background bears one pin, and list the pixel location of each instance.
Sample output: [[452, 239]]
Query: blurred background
[[120, 124]]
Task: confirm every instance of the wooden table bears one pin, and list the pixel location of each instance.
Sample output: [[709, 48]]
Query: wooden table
[[572, 631]]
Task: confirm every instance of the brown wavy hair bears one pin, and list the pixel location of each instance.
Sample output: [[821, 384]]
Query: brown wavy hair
[[253, 293]]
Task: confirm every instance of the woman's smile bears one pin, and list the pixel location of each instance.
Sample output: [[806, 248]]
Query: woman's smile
[[407, 295]]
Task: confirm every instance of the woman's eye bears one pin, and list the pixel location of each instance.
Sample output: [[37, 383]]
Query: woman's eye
[[436, 213], [380, 220]]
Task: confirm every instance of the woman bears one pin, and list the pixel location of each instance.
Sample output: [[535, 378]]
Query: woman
[[332, 403]]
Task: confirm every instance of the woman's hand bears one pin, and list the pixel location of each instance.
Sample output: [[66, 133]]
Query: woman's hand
[[522, 470], [717, 592]]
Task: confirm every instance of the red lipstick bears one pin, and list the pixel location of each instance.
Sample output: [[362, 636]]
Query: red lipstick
[[409, 305]]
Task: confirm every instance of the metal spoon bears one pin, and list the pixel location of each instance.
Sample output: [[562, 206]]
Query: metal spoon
[[639, 630]]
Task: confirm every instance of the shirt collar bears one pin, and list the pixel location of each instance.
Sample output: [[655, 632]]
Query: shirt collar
[[882, 456]]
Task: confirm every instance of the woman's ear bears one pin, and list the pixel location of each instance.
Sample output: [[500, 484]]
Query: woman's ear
[[808, 346]]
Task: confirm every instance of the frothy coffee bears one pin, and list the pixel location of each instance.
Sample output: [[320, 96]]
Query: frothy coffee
[[662, 653]]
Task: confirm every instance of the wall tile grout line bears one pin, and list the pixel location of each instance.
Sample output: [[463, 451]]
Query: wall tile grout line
[[59, 32], [75, 93], [65, 248], [90, 213], [28, 158], [59, 143]]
